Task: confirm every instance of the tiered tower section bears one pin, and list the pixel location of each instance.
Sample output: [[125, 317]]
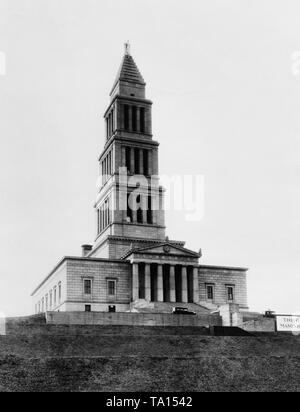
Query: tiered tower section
[[129, 206]]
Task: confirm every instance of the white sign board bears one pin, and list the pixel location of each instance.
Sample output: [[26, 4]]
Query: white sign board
[[288, 323]]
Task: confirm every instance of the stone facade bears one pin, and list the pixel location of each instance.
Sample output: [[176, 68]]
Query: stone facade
[[132, 265], [220, 278]]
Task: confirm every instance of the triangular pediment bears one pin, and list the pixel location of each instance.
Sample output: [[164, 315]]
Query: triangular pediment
[[165, 249]]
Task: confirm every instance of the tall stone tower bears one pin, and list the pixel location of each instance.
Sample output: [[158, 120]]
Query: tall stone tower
[[129, 206], [132, 264]]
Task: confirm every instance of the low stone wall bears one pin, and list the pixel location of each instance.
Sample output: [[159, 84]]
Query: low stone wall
[[260, 325], [130, 319]]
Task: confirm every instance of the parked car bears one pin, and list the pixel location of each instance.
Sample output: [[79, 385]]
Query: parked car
[[270, 314], [183, 311]]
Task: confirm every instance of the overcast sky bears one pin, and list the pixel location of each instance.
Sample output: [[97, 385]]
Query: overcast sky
[[226, 105]]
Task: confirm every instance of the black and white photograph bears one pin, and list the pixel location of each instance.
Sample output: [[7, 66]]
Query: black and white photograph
[[150, 192]]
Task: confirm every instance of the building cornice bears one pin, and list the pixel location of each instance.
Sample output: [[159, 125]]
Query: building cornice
[[237, 269]]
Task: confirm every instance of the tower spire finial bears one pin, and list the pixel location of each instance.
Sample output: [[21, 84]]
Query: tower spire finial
[[127, 48]]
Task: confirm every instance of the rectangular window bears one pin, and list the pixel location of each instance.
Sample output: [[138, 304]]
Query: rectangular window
[[107, 129], [113, 120], [230, 293], [128, 159], [105, 215], [134, 118], [137, 161], [126, 117], [107, 166], [149, 211], [110, 125], [110, 164], [109, 211], [142, 120], [111, 288], [139, 213], [146, 162], [129, 209], [210, 292], [98, 222], [87, 287], [102, 219], [103, 172], [88, 308]]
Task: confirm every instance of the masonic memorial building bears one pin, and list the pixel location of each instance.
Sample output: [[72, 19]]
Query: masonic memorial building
[[133, 265]]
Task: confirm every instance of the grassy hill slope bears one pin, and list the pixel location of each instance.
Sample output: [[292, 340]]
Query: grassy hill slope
[[146, 359]]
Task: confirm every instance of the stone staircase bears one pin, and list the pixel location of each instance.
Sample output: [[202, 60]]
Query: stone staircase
[[142, 306]]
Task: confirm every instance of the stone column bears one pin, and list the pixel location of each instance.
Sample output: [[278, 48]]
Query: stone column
[[172, 284], [196, 297], [135, 282], [160, 285], [148, 282], [184, 285]]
